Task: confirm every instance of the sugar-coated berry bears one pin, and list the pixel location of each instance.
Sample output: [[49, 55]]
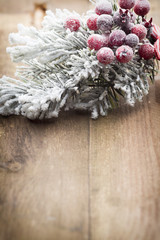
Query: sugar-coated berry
[[92, 23], [127, 28], [140, 31], [73, 24], [132, 40], [117, 18], [146, 51], [124, 54], [117, 38], [106, 39], [105, 55], [126, 4], [142, 7], [95, 41], [105, 22], [103, 7]]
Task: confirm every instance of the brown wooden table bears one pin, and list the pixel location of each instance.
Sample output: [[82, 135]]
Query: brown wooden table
[[73, 178]]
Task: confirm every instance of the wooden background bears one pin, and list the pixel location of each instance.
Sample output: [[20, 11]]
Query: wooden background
[[74, 178]]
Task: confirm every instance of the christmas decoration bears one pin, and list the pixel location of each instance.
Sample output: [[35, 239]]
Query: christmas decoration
[[92, 23], [95, 41], [126, 4], [146, 51], [105, 55], [142, 7], [73, 24], [124, 54], [105, 23], [82, 62], [140, 31], [103, 7], [117, 38], [132, 40]]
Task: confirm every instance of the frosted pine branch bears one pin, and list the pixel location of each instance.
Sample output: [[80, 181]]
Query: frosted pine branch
[[60, 72]]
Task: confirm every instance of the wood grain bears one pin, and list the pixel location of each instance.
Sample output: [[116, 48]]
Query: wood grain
[[75, 178], [26, 6]]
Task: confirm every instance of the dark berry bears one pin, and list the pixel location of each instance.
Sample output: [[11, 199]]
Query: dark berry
[[117, 38], [132, 40], [140, 31], [123, 18], [142, 7], [105, 22], [127, 28], [147, 24], [126, 4], [146, 51]]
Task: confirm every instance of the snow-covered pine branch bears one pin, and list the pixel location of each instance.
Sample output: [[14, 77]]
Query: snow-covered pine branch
[[59, 71]]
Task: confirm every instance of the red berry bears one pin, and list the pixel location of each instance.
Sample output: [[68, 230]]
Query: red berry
[[124, 54], [132, 40], [140, 31], [126, 4], [105, 55], [117, 38], [95, 41], [92, 23], [73, 24], [142, 7], [103, 7], [105, 22], [146, 51]]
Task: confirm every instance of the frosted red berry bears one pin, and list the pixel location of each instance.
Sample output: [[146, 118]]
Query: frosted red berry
[[73, 24], [105, 55], [117, 38], [140, 31], [92, 23], [105, 22], [142, 7], [95, 41], [124, 54], [126, 4], [103, 7], [106, 39], [132, 40], [146, 51]]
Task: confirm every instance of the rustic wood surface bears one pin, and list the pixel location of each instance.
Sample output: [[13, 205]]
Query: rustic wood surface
[[73, 178]]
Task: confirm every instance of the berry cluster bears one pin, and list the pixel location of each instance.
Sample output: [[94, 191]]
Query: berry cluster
[[119, 35]]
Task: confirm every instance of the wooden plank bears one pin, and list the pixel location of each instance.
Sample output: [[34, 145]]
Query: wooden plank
[[49, 190], [125, 169], [27, 6], [44, 179], [125, 173], [47, 198]]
